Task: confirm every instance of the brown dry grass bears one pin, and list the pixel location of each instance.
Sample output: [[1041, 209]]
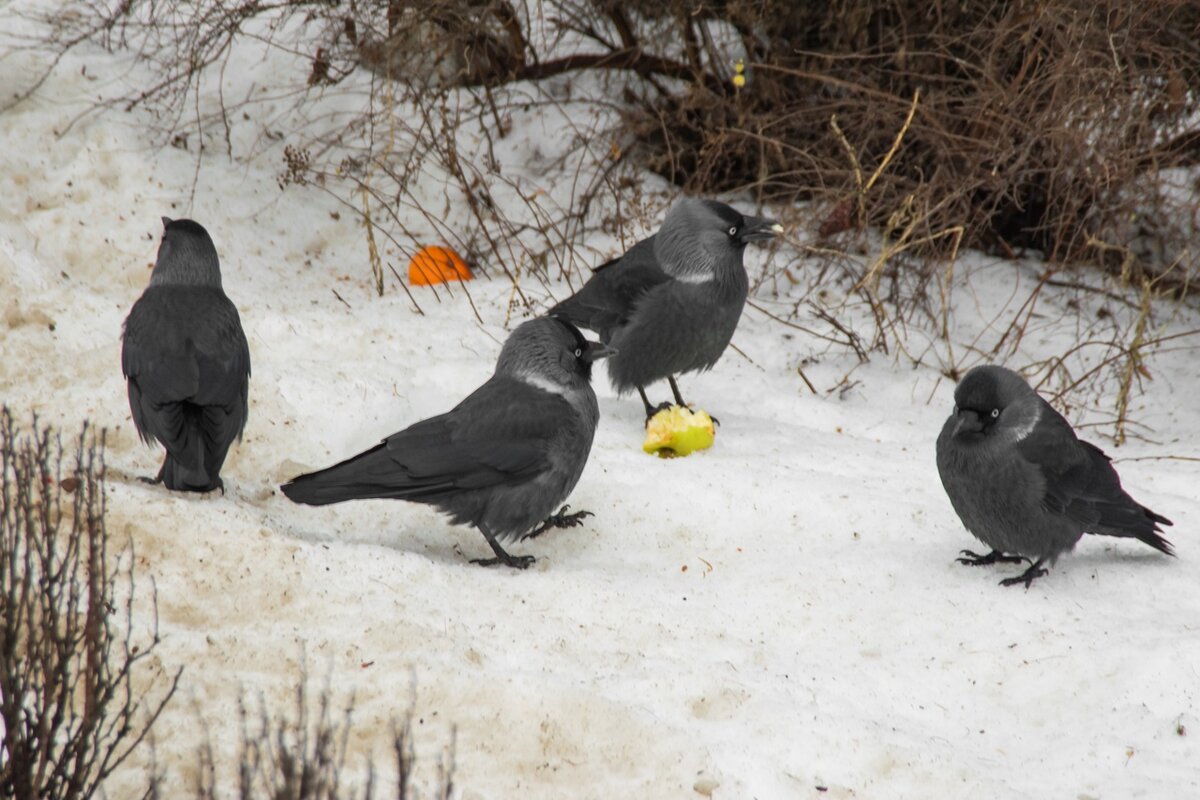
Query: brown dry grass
[[1036, 127]]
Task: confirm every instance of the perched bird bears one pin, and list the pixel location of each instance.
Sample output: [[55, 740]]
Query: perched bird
[[670, 304], [500, 460], [1022, 482], [186, 361]]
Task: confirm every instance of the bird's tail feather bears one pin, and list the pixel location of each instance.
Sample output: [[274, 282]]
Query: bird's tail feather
[[369, 475], [1138, 522], [188, 466], [1158, 543]]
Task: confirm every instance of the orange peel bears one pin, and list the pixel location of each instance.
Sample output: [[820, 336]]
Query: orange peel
[[435, 264]]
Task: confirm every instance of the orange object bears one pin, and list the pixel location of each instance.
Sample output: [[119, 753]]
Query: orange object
[[435, 264]]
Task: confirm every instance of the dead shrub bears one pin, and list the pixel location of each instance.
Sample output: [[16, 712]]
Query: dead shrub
[[1037, 124], [304, 755], [70, 708]]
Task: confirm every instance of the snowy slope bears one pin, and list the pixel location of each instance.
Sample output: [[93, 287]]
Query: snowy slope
[[775, 615]]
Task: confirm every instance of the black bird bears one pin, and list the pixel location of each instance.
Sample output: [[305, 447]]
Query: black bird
[[502, 459], [1022, 482], [671, 303], [186, 361]]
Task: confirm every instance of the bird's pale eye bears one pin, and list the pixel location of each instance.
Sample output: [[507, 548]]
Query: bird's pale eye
[[733, 231], [995, 413], [578, 353]]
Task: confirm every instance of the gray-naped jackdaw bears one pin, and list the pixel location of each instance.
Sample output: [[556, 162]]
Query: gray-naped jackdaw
[[502, 459], [186, 361], [671, 303], [1022, 482]]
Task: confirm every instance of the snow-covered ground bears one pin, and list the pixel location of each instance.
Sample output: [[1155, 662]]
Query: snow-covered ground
[[780, 616]]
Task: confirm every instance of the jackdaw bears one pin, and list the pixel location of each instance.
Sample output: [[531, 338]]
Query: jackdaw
[[186, 361], [1022, 482], [500, 460], [670, 304]]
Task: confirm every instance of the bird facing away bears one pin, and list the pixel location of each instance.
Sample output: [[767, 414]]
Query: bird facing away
[[1022, 482], [502, 459], [186, 361], [671, 303]]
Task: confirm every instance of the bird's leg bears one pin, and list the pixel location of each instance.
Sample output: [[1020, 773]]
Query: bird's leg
[[651, 410], [645, 402], [675, 391], [995, 557], [157, 479], [1027, 577], [560, 520], [683, 403], [502, 557]]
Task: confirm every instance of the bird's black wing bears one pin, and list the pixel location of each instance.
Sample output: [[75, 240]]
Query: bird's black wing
[[186, 344], [1082, 484], [607, 299], [500, 434]]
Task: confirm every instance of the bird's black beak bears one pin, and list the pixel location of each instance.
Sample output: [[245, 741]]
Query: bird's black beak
[[166, 221], [596, 351], [966, 421], [756, 228]]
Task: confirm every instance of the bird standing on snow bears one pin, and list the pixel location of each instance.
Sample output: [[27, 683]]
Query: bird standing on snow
[[671, 303], [500, 460], [1022, 482], [186, 361]]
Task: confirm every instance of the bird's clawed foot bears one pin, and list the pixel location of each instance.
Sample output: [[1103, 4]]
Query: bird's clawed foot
[[651, 411], [149, 480], [1027, 577], [560, 520], [973, 559], [679, 401], [502, 556], [516, 562]]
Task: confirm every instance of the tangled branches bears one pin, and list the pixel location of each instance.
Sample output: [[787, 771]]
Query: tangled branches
[[1038, 124], [70, 709]]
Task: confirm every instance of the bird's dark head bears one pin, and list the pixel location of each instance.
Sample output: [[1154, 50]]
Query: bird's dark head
[[988, 398], [581, 353], [740, 229], [186, 256], [698, 237], [550, 349]]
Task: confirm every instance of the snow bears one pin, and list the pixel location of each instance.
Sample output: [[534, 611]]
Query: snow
[[777, 614]]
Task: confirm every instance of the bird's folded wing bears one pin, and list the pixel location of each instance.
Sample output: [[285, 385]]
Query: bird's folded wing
[[499, 434], [177, 339], [606, 300], [1080, 480], [185, 344]]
